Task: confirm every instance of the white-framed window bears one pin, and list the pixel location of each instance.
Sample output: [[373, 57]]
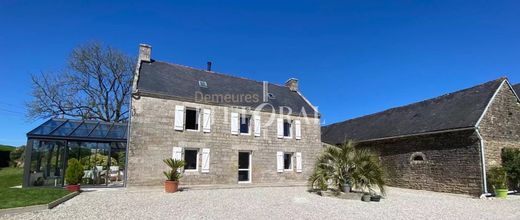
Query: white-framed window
[[287, 161], [287, 128], [245, 124], [192, 119], [191, 159]]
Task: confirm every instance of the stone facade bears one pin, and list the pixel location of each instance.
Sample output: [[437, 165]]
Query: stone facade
[[500, 127], [451, 162], [152, 138]]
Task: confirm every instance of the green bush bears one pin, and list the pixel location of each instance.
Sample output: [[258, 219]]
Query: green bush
[[511, 163], [74, 172], [17, 156], [497, 177], [97, 160]]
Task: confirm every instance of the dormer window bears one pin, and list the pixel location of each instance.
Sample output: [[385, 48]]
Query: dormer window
[[203, 84]]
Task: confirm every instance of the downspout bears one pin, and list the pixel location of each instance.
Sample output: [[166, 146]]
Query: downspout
[[483, 163]]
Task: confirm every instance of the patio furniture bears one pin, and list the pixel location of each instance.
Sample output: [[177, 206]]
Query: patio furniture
[[114, 174]]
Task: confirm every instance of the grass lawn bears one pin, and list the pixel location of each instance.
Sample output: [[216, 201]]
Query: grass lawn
[[10, 198]]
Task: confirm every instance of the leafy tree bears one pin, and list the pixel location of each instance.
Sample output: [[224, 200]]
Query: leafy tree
[[347, 164], [96, 84]]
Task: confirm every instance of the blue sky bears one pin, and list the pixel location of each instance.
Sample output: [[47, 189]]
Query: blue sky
[[352, 57]]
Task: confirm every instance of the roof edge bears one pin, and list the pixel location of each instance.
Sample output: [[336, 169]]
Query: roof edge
[[490, 101], [417, 134]]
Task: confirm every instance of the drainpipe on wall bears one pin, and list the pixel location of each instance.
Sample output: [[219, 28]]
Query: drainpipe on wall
[[483, 162]]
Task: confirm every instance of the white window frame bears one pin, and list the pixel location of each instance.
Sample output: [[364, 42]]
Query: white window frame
[[197, 162], [250, 169], [240, 115], [290, 128], [197, 115], [291, 165]]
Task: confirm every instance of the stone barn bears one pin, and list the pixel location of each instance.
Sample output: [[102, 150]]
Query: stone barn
[[443, 144], [229, 130]]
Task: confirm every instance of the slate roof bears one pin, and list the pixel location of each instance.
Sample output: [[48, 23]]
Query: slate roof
[[182, 82], [461, 109], [516, 87]]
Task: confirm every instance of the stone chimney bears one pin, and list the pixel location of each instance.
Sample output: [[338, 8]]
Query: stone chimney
[[145, 52], [292, 83]]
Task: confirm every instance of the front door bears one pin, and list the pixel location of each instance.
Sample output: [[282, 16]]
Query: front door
[[244, 167]]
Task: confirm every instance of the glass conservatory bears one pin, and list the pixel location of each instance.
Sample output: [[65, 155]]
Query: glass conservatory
[[99, 146]]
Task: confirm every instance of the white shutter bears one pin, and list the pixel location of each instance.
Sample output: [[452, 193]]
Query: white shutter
[[179, 118], [257, 125], [279, 161], [298, 128], [177, 153], [206, 120], [279, 125], [234, 123], [298, 162], [205, 160]]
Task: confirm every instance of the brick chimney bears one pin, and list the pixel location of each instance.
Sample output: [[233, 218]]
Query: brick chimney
[[145, 52], [292, 83]]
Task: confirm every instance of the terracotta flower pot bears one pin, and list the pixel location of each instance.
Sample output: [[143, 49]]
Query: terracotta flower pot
[[171, 186], [73, 188]]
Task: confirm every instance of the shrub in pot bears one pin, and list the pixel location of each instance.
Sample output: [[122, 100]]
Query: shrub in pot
[[172, 176], [73, 175], [346, 186], [497, 178], [338, 165]]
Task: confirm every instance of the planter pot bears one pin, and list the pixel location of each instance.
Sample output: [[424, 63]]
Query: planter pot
[[501, 193], [375, 198], [346, 188], [171, 186], [365, 198], [73, 188]]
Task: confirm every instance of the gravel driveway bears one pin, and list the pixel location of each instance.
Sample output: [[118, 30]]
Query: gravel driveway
[[273, 203]]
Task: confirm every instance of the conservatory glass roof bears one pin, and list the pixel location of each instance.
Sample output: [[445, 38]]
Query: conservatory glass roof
[[66, 129]]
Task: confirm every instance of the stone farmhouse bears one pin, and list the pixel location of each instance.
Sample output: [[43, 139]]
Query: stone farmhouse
[[228, 129], [443, 144]]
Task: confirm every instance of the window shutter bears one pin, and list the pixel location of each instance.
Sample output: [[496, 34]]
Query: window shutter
[[299, 162], [279, 125], [279, 161], [179, 118], [298, 128], [206, 120], [234, 123], [205, 160], [177, 153], [257, 125]]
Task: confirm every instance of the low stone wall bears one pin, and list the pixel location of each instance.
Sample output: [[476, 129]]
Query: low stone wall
[[451, 162]]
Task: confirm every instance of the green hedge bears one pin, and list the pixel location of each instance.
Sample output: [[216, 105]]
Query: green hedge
[[511, 163]]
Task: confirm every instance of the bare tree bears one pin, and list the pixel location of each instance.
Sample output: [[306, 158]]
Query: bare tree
[[96, 84]]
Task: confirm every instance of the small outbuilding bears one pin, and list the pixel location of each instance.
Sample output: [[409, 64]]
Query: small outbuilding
[[443, 144]]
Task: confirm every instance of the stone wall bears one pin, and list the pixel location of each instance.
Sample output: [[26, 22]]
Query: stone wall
[[451, 162], [500, 126], [153, 137]]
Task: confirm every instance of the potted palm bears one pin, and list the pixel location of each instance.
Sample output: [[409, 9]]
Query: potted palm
[[73, 175], [172, 176], [497, 177], [345, 167]]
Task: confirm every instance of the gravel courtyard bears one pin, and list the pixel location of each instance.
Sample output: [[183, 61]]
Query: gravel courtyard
[[272, 203]]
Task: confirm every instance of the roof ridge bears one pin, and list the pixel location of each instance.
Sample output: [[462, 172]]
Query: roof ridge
[[414, 103], [218, 73]]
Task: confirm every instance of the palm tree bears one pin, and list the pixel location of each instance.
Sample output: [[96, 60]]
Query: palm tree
[[347, 164]]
